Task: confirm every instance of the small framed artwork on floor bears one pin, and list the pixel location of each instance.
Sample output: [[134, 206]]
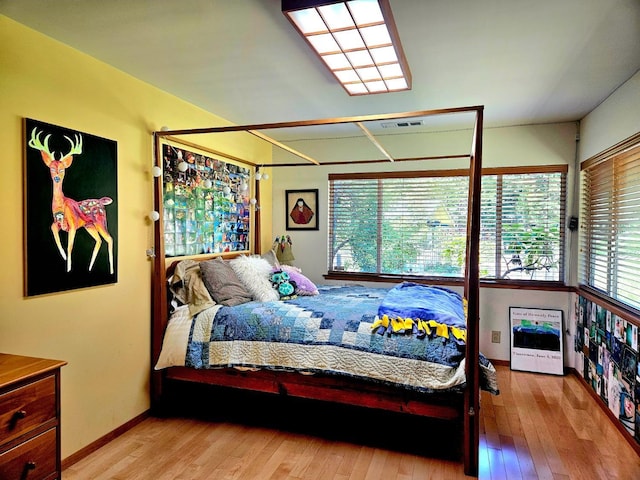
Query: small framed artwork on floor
[[536, 340]]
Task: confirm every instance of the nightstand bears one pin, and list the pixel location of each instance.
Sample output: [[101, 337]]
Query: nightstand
[[29, 418]]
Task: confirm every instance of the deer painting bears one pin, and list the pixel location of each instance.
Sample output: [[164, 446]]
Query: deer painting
[[71, 215]]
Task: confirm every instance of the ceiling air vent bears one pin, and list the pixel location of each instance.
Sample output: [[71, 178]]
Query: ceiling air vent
[[402, 124]]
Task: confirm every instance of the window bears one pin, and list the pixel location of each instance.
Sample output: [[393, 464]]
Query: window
[[610, 227], [414, 223]]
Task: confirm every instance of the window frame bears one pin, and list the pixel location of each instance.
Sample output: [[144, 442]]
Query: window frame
[[587, 270], [494, 282]]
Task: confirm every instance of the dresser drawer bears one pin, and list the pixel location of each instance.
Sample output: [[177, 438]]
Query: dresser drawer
[[34, 459], [26, 407]]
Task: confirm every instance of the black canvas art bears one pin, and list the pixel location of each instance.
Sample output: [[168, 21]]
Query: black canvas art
[[71, 209]]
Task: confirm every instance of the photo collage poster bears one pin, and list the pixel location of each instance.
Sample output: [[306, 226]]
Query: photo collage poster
[[206, 206], [609, 348]]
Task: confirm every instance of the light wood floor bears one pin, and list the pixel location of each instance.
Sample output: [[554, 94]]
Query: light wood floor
[[540, 426]]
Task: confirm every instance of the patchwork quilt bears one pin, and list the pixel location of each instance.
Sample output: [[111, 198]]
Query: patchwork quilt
[[332, 333]]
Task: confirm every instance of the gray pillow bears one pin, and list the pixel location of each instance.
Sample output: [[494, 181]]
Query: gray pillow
[[270, 257], [223, 284]]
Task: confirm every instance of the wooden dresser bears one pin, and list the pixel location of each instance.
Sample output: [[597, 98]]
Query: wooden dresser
[[29, 418]]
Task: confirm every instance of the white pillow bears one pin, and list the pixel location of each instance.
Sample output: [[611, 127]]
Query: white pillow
[[176, 338], [254, 271]]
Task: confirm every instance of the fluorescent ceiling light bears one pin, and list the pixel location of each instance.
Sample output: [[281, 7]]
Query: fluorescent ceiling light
[[357, 40]]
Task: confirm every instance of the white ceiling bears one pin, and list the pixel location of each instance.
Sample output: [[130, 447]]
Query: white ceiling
[[526, 61]]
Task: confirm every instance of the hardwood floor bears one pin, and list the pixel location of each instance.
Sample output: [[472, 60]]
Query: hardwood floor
[[539, 427]]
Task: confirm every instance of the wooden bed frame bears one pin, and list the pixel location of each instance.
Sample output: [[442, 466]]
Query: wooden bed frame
[[455, 407]]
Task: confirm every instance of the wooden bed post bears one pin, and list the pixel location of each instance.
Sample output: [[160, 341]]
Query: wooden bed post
[[257, 248], [472, 294], [159, 308]]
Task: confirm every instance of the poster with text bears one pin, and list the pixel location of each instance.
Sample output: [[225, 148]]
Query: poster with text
[[536, 340]]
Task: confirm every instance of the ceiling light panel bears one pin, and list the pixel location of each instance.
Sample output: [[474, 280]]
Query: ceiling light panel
[[347, 76], [360, 58], [377, 36], [308, 21], [336, 61], [336, 16], [357, 40], [356, 88]]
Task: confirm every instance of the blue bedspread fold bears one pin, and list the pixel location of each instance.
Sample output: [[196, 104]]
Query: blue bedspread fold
[[424, 302]]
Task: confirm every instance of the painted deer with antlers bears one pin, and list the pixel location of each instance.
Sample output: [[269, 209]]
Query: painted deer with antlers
[[70, 215]]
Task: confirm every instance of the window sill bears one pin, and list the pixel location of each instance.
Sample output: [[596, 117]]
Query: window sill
[[615, 307], [448, 281]]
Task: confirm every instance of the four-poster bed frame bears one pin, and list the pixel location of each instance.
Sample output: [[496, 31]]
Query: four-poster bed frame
[[462, 408]]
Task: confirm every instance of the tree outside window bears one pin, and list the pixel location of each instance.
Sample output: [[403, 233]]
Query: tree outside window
[[415, 224]]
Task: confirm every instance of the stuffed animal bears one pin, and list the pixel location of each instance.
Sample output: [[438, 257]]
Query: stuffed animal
[[283, 284]]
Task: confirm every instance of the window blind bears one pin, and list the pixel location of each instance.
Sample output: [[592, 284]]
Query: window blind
[[392, 225], [414, 223], [610, 227], [522, 225]]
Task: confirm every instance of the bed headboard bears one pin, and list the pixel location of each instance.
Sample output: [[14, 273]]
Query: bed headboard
[[161, 297]]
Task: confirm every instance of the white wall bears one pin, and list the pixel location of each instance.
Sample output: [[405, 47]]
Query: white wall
[[615, 119], [551, 144]]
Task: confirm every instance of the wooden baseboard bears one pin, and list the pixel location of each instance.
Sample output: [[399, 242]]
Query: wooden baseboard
[[501, 363], [102, 441], [507, 363], [605, 409]]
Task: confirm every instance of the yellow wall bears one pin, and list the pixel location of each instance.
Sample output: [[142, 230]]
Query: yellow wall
[[102, 332]]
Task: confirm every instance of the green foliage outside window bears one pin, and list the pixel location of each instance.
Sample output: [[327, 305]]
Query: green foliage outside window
[[417, 226]]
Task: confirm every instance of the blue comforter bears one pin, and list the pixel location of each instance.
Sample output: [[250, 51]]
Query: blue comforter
[[424, 302], [329, 333]]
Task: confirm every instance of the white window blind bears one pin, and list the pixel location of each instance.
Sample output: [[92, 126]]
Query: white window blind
[[610, 227], [414, 223], [522, 225], [402, 225]]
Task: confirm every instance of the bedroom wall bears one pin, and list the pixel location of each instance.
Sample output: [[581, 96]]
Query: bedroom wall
[[616, 118], [509, 146], [606, 350], [102, 332]]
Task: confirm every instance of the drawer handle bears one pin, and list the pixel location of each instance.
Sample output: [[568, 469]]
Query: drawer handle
[[19, 415], [28, 467]]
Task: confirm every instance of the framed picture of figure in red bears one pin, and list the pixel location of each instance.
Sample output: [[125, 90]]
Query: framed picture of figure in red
[[302, 209]]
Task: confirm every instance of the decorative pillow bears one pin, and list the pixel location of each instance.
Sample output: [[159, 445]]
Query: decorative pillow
[[304, 286], [270, 257], [223, 284], [253, 271], [283, 284], [188, 287]]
